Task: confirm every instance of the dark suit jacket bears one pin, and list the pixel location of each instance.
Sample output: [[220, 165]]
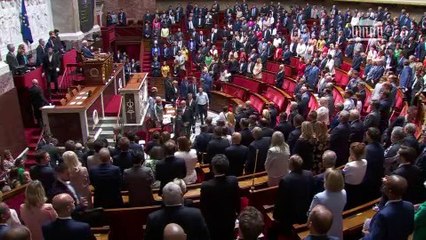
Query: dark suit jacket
[[267, 132], [374, 173], [285, 128], [357, 131], [262, 145], [45, 174], [50, 66], [55, 157], [246, 137], [279, 79], [3, 230], [339, 142], [294, 197], [216, 146], [190, 219], [58, 188], [220, 204], [37, 98], [67, 229], [168, 169], [138, 181], [292, 138], [41, 53], [415, 192], [123, 160], [237, 156], [12, 61], [394, 222], [106, 179], [201, 142]]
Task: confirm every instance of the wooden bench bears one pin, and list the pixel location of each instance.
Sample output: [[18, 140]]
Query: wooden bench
[[353, 220], [251, 84], [341, 77], [289, 85], [258, 101], [219, 100], [234, 90]]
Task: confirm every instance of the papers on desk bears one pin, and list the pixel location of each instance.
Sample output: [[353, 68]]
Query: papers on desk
[[73, 103], [167, 119]]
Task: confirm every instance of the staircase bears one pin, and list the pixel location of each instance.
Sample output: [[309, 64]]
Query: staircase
[[146, 57], [32, 135], [107, 125]]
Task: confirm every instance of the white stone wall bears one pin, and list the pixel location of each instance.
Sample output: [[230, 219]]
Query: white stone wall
[[39, 16]]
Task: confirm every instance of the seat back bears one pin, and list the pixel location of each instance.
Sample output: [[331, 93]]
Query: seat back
[[248, 83], [257, 102], [399, 100], [234, 90], [275, 96], [313, 103], [337, 96], [265, 196], [272, 66], [294, 61], [127, 223], [289, 85], [346, 66], [341, 77], [368, 95], [289, 70], [268, 77]]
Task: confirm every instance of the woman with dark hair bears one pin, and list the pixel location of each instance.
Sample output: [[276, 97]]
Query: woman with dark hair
[[190, 156]]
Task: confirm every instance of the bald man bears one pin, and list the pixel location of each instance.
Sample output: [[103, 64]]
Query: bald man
[[106, 179], [173, 231], [18, 233], [64, 227], [237, 155], [319, 222], [395, 220], [37, 100]]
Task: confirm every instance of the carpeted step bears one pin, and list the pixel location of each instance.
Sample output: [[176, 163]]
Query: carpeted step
[[113, 106]]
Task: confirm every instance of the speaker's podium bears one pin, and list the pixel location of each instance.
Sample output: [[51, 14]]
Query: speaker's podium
[[79, 116], [97, 70], [135, 100]]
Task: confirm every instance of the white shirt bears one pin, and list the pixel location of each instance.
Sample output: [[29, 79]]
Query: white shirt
[[355, 171], [301, 49], [191, 160]]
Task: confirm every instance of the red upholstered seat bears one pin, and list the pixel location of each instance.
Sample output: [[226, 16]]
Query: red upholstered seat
[[268, 77], [288, 71], [275, 96], [257, 102], [337, 96], [341, 78], [367, 101], [272, 66], [246, 82], [289, 85], [234, 90], [346, 66], [294, 61], [313, 103]]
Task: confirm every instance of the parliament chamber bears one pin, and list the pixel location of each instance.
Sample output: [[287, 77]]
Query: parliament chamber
[[298, 120]]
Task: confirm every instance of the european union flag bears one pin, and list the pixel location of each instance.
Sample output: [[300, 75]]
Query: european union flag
[[25, 25]]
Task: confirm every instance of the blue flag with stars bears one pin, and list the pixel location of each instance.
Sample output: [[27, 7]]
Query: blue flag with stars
[[25, 25]]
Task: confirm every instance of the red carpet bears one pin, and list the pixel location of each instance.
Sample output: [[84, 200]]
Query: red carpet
[[31, 136], [112, 108]]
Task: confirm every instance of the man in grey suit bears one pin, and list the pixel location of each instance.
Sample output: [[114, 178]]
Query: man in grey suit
[[11, 58], [138, 180]]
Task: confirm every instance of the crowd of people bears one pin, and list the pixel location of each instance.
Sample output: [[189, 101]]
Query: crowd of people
[[322, 161]]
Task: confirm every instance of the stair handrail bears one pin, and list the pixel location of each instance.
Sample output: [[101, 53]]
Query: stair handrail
[[64, 76], [119, 122]]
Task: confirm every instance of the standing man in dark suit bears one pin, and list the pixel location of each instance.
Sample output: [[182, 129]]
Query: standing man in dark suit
[[170, 167], [284, 126], [220, 200], [122, 19], [260, 145], [187, 118], [11, 59], [51, 64], [62, 185], [65, 227], [41, 52], [295, 192], [190, 219], [295, 134], [246, 136], [42, 171], [357, 127], [37, 101], [279, 78], [396, 219], [375, 156], [201, 141], [237, 154], [106, 179], [217, 144], [339, 138], [124, 158], [138, 180]]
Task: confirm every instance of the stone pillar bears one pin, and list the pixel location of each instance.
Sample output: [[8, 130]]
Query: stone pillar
[[68, 17]]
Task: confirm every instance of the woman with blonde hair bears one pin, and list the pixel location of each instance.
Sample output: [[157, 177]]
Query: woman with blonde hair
[[333, 198], [35, 212], [230, 121], [305, 145], [277, 160], [257, 70], [322, 144], [79, 177]]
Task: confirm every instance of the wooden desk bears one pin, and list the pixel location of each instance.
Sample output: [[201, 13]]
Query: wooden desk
[[79, 118]]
